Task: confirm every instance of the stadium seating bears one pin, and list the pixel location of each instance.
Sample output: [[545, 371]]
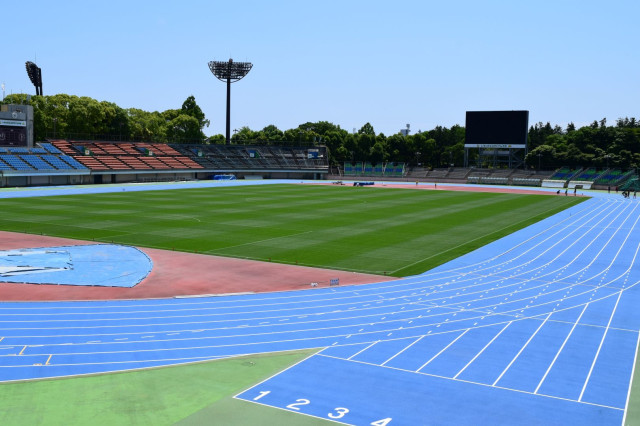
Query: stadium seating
[[144, 156], [56, 162], [15, 162], [5, 166], [91, 163], [36, 162], [72, 162], [613, 177], [587, 175], [112, 162], [565, 173], [388, 169], [50, 148], [18, 150]]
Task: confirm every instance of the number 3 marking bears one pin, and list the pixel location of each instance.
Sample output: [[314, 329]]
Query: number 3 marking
[[294, 405], [340, 413]]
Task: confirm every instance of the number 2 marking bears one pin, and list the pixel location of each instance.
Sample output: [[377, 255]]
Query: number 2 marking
[[294, 405], [262, 393], [340, 412]]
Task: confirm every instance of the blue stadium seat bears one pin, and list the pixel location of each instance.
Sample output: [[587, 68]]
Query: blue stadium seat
[[15, 162], [56, 162], [18, 150], [5, 166], [36, 162], [50, 148], [73, 162]]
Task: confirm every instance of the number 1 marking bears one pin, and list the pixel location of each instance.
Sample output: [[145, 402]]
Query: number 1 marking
[[262, 393]]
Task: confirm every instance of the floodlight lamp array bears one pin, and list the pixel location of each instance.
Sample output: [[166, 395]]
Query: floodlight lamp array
[[35, 75], [33, 72], [230, 71]]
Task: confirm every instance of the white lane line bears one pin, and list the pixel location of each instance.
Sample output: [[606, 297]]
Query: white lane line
[[566, 339], [586, 382], [478, 383], [362, 350], [483, 349], [521, 350], [595, 358], [443, 349], [407, 347], [633, 370]]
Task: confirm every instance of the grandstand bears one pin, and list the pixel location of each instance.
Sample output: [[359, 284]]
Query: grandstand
[[614, 177], [80, 162], [60, 162], [587, 178], [368, 169]]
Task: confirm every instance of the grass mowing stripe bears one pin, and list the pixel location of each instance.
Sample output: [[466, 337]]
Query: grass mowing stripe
[[372, 230]]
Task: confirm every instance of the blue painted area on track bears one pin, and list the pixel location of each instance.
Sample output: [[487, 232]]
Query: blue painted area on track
[[540, 326], [407, 398], [103, 265], [47, 191]]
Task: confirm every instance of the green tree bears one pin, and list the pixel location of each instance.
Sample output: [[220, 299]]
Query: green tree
[[184, 129], [542, 157], [367, 129], [191, 108]]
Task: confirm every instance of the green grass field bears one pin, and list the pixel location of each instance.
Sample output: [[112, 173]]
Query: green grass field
[[194, 394], [397, 232]]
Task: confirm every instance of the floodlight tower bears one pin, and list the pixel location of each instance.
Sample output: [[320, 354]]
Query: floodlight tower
[[35, 75], [229, 72]]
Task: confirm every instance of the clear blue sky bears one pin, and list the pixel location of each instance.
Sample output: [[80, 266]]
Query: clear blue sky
[[348, 62]]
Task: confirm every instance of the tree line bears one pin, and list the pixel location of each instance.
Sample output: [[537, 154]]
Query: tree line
[[80, 117], [72, 117]]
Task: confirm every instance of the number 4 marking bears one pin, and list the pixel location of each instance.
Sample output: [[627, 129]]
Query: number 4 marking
[[262, 393], [381, 422]]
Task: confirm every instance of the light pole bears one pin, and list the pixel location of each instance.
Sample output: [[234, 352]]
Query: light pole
[[229, 72], [55, 121], [539, 156]]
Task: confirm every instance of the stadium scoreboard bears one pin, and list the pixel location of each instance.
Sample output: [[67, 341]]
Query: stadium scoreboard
[[16, 125], [496, 129]]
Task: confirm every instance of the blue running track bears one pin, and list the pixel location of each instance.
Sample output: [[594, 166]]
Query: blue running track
[[540, 327]]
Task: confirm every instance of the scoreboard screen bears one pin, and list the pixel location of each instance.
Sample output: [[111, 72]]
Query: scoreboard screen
[[13, 133], [496, 129]]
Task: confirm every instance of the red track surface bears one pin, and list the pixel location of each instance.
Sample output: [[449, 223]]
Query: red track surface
[[177, 274], [451, 187]]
